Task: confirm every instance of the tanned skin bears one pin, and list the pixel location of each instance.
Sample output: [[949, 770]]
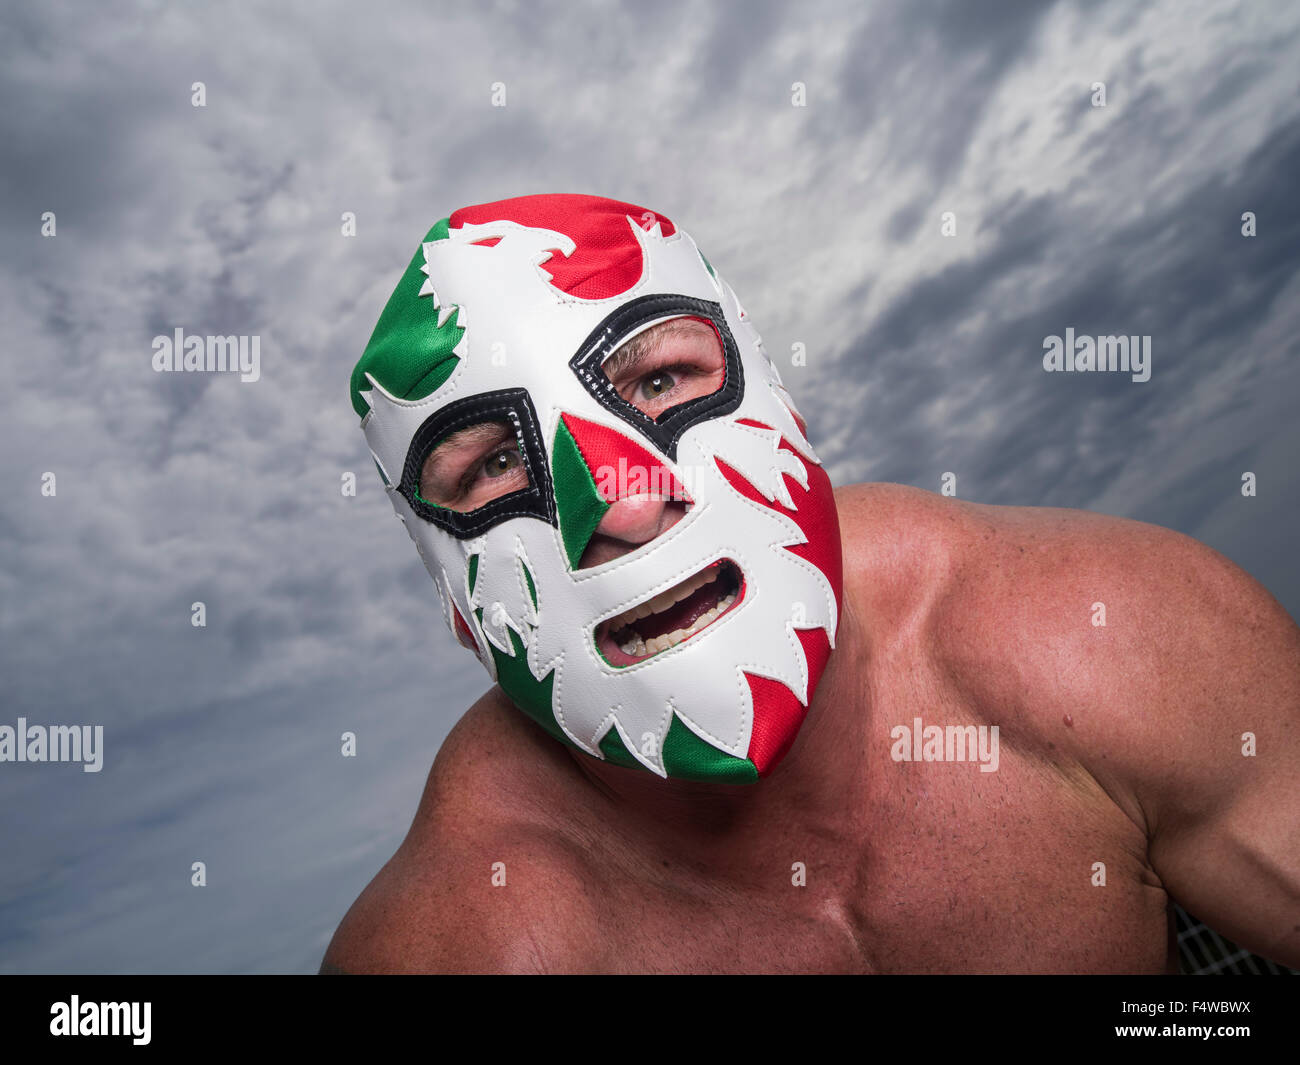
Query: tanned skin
[[1119, 745]]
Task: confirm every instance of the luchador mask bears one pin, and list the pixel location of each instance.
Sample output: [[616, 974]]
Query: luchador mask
[[513, 422]]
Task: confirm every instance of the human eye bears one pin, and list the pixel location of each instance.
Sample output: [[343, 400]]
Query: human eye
[[501, 462], [654, 386], [474, 466], [671, 364]]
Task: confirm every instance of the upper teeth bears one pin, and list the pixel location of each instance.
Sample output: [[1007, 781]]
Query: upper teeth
[[664, 600], [637, 646]]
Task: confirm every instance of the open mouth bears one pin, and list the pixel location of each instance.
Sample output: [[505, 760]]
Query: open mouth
[[661, 623]]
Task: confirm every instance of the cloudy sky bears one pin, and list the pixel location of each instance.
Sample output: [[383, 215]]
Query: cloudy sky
[[923, 357]]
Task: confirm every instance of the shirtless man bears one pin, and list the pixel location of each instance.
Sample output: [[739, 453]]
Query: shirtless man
[[727, 662]]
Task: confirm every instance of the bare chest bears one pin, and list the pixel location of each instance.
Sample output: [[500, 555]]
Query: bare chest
[[947, 869]]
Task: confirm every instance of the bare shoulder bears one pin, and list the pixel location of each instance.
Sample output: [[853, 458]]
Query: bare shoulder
[[490, 877], [1102, 607], [1130, 631], [1141, 652], [1115, 653], [900, 545]]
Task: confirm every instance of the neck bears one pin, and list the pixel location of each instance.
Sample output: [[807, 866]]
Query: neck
[[808, 785]]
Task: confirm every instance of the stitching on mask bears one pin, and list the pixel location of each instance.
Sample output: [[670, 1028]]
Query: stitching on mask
[[595, 573], [535, 500], [718, 741], [443, 583], [819, 577], [438, 397], [557, 706], [623, 320], [797, 648], [477, 546], [673, 578], [728, 552], [661, 733], [526, 597], [613, 723], [725, 551]]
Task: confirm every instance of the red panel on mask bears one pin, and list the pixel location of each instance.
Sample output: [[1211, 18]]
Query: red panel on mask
[[607, 259], [777, 711], [463, 632], [814, 513], [620, 466]]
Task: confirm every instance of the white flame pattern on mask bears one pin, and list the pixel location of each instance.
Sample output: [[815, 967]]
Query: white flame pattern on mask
[[700, 679]]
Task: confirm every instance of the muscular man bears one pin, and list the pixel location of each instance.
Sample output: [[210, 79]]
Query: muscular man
[[767, 726]]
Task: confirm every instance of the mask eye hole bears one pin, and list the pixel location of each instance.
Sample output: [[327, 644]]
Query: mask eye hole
[[476, 462], [700, 378], [666, 365], [474, 465]]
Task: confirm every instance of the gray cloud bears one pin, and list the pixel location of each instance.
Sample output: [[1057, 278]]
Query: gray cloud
[[222, 742]]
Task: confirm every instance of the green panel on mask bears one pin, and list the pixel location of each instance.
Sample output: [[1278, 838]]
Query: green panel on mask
[[685, 755], [531, 695], [616, 752], [409, 354], [577, 501], [532, 588], [688, 757]]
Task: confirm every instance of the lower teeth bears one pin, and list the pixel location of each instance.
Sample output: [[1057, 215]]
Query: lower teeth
[[635, 645]]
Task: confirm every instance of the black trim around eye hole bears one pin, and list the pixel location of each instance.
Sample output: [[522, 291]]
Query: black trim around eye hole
[[506, 404], [666, 430]]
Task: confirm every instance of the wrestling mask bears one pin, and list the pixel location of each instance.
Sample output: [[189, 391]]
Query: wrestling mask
[[627, 525]]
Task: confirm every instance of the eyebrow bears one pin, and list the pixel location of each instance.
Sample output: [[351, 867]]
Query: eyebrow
[[643, 345], [474, 436]]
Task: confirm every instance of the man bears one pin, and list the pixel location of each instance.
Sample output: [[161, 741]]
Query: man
[[768, 726]]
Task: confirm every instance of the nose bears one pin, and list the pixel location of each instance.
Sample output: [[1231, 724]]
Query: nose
[[634, 520], [633, 493], [629, 523]]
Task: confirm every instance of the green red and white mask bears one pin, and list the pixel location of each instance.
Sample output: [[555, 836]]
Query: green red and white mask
[[694, 654]]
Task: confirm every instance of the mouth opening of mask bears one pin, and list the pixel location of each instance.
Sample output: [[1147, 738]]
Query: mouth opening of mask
[[663, 621]]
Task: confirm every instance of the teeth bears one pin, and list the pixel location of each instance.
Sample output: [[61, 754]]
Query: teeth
[[705, 618], [664, 600], [635, 645]]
